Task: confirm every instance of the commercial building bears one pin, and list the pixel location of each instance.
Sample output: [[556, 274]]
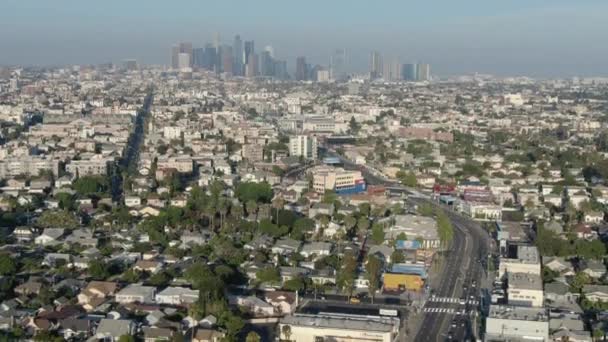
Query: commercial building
[[313, 328], [253, 152], [415, 228], [398, 282], [303, 146], [337, 179], [525, 289], [375, 65], [526, 259], [515, 323]]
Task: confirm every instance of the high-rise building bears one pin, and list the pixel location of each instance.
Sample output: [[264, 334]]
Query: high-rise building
[[266, 64], [216, 41], [301, 69], [375, 65], [227, 59], [237, 51], [410, 72], [176, 50], [338, 64], [249, 50], [424, 72], [198, 57], [392, 70], [130, 64], [303, 146], [210, 60], [251, 70], [280, 70], [183, 61]]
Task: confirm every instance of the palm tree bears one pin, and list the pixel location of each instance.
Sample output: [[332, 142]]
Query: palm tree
[[251, 207], [278, 204], [223, 210], [286, 330]]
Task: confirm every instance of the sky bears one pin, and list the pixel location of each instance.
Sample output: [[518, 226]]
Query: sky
[[539, 38]]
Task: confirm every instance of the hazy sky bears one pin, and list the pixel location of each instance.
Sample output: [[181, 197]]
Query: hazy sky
[[510, 37]]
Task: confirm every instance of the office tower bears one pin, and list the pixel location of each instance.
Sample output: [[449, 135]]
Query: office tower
[[183, 61], [237, 50], [266, 64], [130, 65], [424, 72], [280, 70], [198, 57], [227, 59], [176, 50], [338, 65], [323, 75], [249, 50], [210, 58], [174, 56], [375, 65], [303, 146], [392, 70], [410, 72], [301, 69], [251, 69], [216, 41]]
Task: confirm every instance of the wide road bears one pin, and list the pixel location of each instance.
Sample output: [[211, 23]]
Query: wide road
[[462, 270], [130, 155]]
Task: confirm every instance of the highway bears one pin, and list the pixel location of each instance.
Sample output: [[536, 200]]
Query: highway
[[463, 268]]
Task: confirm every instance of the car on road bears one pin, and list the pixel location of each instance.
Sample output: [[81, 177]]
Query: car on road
[[355, 300], [462, 301], [454, 324]]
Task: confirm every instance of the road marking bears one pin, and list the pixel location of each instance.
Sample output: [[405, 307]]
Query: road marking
[[439, 310], [452, 300]]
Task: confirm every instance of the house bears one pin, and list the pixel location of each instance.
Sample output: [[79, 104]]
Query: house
[[75, 328], [593, 268], [83, 237], [317, 249], [288, 273], [136, 293], [253, 304], [148, 211], [321, 209], [49, 236], [30, 287], [195, 237], [148, 266], [583, 231], [179, 201], [286, 246], [176, 296], [283, 302], [558, 295], [594, 217], [208, 335], [152, 334], [559, 265], [96, 293], [24, 234], [596, 293], [112, 329], [56, 259], [132, 201]]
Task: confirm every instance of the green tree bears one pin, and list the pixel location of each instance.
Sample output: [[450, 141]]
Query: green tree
[[7, 265], [258, 192], [90, 185], [425, 209], [407, 178], [397, 257], [362, 225], [345, 278], [444, 228], [58, 219], [126, 338], [269, 275], [373, 270], [377, 234], [98, 270], [252, 336]]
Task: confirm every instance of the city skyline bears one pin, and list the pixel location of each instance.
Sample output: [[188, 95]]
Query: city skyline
[[503, 39]]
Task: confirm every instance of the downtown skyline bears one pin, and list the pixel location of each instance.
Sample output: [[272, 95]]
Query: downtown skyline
[[539, 39]]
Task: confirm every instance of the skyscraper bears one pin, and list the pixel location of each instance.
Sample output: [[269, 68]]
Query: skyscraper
[[249, 50], [227, 59], [176, 50], [338, 64], [252, 66], [237, 51], [375, 65], [266, 64], [410, 72], [424, 72], [301, 69], [392, 70], [199, 57], [210, 58]]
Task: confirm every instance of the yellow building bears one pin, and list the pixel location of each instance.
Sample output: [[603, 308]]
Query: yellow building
[[401, 282]]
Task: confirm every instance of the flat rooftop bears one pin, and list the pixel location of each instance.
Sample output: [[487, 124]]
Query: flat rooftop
[[525, 281], [383, 325], [518, 313]]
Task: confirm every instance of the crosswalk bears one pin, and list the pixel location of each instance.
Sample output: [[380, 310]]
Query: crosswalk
[[439, 310], [452, 300]]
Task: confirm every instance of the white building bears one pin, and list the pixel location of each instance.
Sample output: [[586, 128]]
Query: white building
[[176, 296], [515, 323], [136, 293], [312, 328], [304, 146], [525, 289], [527, 261]]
